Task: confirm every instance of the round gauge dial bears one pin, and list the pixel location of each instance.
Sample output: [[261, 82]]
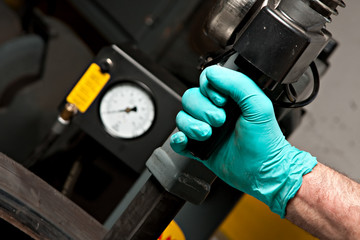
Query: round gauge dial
[[127, 110]]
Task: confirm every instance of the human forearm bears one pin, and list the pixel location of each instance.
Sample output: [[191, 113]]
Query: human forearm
[[327, 205]]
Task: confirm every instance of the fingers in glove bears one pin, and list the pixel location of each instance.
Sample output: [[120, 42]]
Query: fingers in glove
[[244, 91], [192, 127], [210, 92], [178, 142], [201, 108]]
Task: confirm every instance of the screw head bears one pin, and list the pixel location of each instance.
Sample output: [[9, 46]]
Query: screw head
[[105, 65]]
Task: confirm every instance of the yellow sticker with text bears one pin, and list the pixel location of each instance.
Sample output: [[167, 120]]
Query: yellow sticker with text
[[88, 87], [172, 232]]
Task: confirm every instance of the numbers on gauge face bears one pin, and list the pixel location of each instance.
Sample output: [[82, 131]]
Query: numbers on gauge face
[[127, 110]]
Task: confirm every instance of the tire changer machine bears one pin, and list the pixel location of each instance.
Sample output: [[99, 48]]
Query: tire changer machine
[[121, 110]]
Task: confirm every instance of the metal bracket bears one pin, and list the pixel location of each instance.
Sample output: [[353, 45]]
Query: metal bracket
[[179, 175]]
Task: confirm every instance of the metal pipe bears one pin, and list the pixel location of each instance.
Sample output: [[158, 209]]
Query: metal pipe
[[147, 216], [56, 130]]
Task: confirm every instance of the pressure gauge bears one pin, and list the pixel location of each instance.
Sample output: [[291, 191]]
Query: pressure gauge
[[127, 110], [136, 110]]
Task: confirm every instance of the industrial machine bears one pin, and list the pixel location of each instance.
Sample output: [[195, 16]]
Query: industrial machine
[[92, 107]]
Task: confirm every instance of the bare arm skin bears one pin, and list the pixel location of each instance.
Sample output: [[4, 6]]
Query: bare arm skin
[[327, 205]]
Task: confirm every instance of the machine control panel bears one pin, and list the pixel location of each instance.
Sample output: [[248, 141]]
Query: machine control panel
[[135, 111]]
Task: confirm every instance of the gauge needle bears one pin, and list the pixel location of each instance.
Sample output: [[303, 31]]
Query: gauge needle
[[127, 110]]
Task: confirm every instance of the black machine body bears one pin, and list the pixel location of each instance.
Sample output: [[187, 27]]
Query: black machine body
[[276, 44]]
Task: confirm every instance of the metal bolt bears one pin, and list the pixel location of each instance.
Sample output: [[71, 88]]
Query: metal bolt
[[149, 20], [106, 65], [68, 112]]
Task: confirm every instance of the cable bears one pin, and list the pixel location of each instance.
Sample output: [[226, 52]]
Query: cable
[[311, 98], [219, 58]]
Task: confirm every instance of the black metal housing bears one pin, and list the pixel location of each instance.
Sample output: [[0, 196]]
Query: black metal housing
[[279, 47], [134, 152]]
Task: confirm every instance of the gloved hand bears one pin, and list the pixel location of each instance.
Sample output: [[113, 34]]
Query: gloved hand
[[256, 158]]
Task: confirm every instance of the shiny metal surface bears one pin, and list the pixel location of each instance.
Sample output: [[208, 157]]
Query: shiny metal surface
[[225, 16], [326, 7]]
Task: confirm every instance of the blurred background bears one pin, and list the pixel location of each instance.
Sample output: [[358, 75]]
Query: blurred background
[[330, 128], [45, 46]]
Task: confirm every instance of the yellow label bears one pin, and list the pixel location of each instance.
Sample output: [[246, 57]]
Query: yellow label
[[88, 88], [172, 232]]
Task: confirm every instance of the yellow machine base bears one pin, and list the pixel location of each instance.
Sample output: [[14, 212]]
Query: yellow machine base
[[253, 220]]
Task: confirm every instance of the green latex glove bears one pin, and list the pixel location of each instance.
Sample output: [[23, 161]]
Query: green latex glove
[[256, 158]]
